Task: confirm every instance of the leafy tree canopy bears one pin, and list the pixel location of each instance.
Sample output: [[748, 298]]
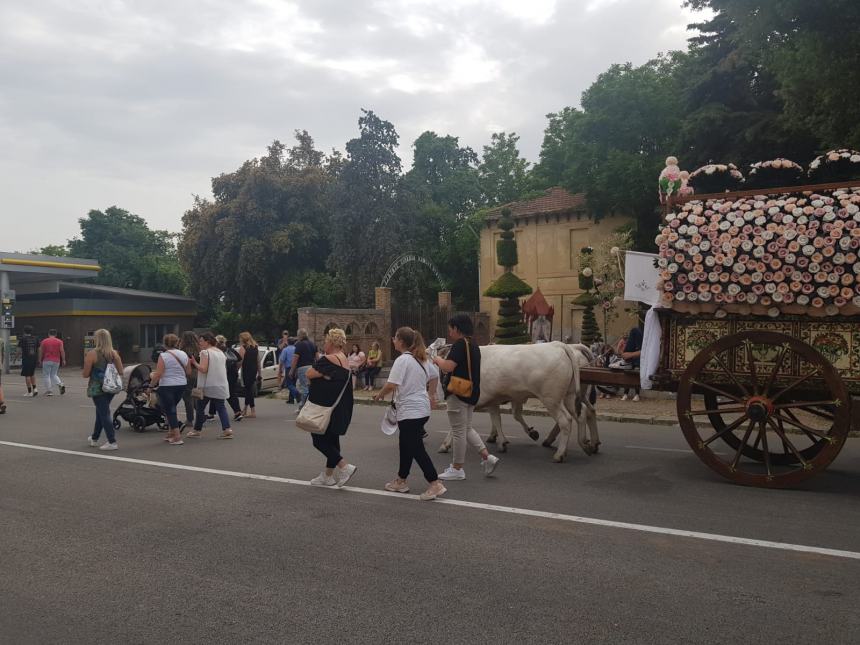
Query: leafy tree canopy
[[267, 226], [130, 254]]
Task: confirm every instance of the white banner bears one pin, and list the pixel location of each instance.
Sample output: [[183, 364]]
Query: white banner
[[640, 278]]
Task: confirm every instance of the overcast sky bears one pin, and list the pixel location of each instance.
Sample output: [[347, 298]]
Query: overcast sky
[[140, 103]]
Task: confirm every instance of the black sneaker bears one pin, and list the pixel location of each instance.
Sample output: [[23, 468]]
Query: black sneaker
[[62, 389], [238, 417]]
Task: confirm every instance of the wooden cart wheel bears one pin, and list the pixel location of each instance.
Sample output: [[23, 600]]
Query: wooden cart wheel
[[787, 429]]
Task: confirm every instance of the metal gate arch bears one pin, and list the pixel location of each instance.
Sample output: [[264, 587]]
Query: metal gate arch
[[407, 258]]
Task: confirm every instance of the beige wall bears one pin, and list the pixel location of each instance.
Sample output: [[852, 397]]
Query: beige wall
[[549, 260]]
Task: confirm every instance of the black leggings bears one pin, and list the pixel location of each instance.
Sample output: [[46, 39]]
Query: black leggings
[[250, 391], [329, 445], [412, 447]]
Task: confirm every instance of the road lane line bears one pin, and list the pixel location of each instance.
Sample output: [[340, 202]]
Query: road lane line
[[511, 510]]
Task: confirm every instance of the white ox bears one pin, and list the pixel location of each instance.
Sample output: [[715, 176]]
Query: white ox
[[548, 372]]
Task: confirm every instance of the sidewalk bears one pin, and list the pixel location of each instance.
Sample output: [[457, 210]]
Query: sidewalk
[[653, 409]]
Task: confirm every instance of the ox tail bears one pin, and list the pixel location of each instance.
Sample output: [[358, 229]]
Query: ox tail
[[575, 354]]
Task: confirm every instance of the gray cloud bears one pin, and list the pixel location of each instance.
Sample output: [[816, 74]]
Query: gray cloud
[[140, 104]]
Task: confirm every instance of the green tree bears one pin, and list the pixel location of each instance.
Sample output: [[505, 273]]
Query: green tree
[[55, 250], [266, 229], [130, 254], [444, 191], [614, 147], [809, 54], [503, 173], [727, 88], [366, 229]]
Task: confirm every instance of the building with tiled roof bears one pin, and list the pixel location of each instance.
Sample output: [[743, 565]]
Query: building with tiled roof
[[551, 229]]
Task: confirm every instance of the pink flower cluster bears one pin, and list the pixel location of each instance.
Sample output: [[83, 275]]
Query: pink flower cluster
[[789, 253]]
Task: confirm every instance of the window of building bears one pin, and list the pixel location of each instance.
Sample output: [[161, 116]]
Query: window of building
[[151, 335]]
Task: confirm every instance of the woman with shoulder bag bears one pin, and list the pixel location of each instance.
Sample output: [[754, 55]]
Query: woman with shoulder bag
[[171, 377], [463, 365], [330, 382], [411, 377], [211, 385], [96, 363]]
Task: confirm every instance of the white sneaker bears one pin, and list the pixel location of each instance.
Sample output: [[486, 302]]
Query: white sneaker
[[92, 442], [451, 473], [29, 394], [624, 397], [109, 446], [489, 464], [342, 475], [323, 480], [636, 399], [49, 393]]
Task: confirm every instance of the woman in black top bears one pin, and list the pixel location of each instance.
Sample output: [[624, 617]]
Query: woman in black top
[[250, 356], [29, 346], [466, 365], [329, 376]]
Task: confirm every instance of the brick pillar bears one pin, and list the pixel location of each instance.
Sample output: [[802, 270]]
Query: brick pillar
[[383, 302], [445, 300]]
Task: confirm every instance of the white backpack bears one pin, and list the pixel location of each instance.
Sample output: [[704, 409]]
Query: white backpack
[[112, 382]]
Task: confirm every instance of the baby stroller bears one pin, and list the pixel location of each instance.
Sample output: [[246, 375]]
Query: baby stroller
[[136, 409]]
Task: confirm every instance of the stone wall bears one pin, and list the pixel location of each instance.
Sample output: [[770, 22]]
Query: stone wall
[[362, 326]]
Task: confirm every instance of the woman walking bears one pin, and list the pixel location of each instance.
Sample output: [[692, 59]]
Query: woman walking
[[410, 379], [233, 360], [357, 362], [95, 364], [250, 355], [464, 361], [171, 377], [212, 382], [373, 366], [191, 347], [328, 378]]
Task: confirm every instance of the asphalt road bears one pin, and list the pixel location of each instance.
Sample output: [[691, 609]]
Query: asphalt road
[[103, 550]]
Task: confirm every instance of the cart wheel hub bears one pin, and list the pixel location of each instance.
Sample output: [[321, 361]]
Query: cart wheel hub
[[759, 408]]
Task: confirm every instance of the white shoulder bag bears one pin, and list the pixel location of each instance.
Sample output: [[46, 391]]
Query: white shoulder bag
[[314, 418]]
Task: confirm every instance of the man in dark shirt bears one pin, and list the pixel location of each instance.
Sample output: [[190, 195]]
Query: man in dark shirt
[[29, 346], [463, 361], [306, 353]]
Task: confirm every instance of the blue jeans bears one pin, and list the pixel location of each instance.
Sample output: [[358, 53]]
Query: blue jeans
[[103, 420], [169, 397], [304, 384], [220, 409], [290, 384]]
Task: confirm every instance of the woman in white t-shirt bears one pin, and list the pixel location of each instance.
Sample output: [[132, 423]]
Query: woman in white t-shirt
[[411, 377], [171, 376]]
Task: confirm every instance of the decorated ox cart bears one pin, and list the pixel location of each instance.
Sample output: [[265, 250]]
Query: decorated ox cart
[[760, 324]]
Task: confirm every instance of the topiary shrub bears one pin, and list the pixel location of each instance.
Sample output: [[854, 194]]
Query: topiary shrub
[[510, 326]]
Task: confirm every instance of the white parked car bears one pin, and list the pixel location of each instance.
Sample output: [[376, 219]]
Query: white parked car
[[267, 378]]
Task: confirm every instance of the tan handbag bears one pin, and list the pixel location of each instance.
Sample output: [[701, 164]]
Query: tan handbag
[[459, 386], [314, 418]]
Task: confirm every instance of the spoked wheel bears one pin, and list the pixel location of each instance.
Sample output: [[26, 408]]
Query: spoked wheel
[[779, 429]]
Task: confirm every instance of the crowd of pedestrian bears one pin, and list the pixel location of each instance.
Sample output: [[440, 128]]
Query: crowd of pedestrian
[[203, 374]]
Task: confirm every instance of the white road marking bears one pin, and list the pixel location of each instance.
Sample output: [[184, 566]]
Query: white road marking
[[644, 528]]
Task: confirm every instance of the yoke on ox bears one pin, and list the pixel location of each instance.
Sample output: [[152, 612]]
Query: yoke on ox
[[548, 372]]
